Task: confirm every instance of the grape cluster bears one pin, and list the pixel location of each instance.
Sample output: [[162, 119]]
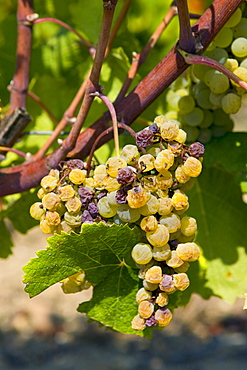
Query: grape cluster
[[146, 186], [203, 101]]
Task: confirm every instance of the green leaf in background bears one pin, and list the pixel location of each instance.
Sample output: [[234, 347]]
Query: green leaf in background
[[216, 203], [6, 241], [101, 251]]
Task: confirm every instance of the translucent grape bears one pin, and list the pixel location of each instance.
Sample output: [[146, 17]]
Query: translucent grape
[[127, 214], [181, 137], [73, 219], [195, 117], [174, 261], [150, 183], [143, 295], [53, 218], [168, 129], [66, 192], [137, 197], [66, 227], [145, 309], [50, 201], [231, 64], [164, 160], [179, 200], [224, 37], [77, 176], [165, 206], [186, 239], [171, 221], [106, 209], [216, 101], [188, 251], [205, 136], [199, 70], [114, 164], [138, 323], [240, 72], [181, 175], [186, 104], [192, 167], [162, 253], [192, 133], [149, 223], [203, 99], [183, 268], [41, 193], [150, 286], [73, 205], [146, 162], [158, 237], [37, 210], [129, 153], [181, 281], [234, 19], [151, 207], [99, 175], [218, 54], [154, 275], [164, 180], [231, 103], [240, 30], [111, 198], [239, 47], [163, 316], [111, 183], [45, 227], [188, 225], [142, 253], [162, 299], [49, 183]]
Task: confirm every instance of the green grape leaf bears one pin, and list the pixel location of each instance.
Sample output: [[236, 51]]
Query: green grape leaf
[[6, 241], [103, 252], [216, 204]]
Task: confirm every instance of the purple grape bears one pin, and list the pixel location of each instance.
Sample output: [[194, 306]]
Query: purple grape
[[121, 194], [196, 150], [85, 195], [154, 128], [144, 138], [166, 282], [86, 217], [151, 321], [93, 210]]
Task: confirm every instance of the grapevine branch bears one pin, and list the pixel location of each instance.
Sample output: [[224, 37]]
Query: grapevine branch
[[26, 176], [186, 39]]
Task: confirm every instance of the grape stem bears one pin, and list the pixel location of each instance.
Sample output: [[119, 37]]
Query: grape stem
[[198, 59], [18, 152], [106, 132], [186, 39], [113, 114]]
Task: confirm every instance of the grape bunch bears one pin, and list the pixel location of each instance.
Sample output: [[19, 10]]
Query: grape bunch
[[144, 186], [203, 101]]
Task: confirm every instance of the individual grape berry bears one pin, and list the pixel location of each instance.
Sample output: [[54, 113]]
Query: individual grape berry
[[110, 183], [171, 221], [130, 153], [162, 299], [144, 268], [66, 192], [150, 183], [174, 261], [168, 129], [114, 164], [142, 253], [149, 223], [188, 251], [121, 195], [163, 316], [145, 309], [181, 281], [125, 176], [49, 183], [73, 219], [186, 239], [181, 137], [154, 275], [151, 207], [167, 284], [93, 209], [154, 128], [73, 205], [75, 283], [165, 206], [192, 167], [146, 162], [164, 160], [52, 218], [180, 200], [85, 195], [158, 237], [77, 176], [106, 209], [164, 180], [137, 197], [51, 201], [37, 211], [162, 253], [45, 227], [86, 217], [138, 323], [181, 175], [143, 295], [183, 268], [231, 103], [66, 227], [127, 214], [150, 286], [239, 47], [41, 193], [188, 226], [144, 138], [72, 164], [196, 150], [99, 175], [151, 321]]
